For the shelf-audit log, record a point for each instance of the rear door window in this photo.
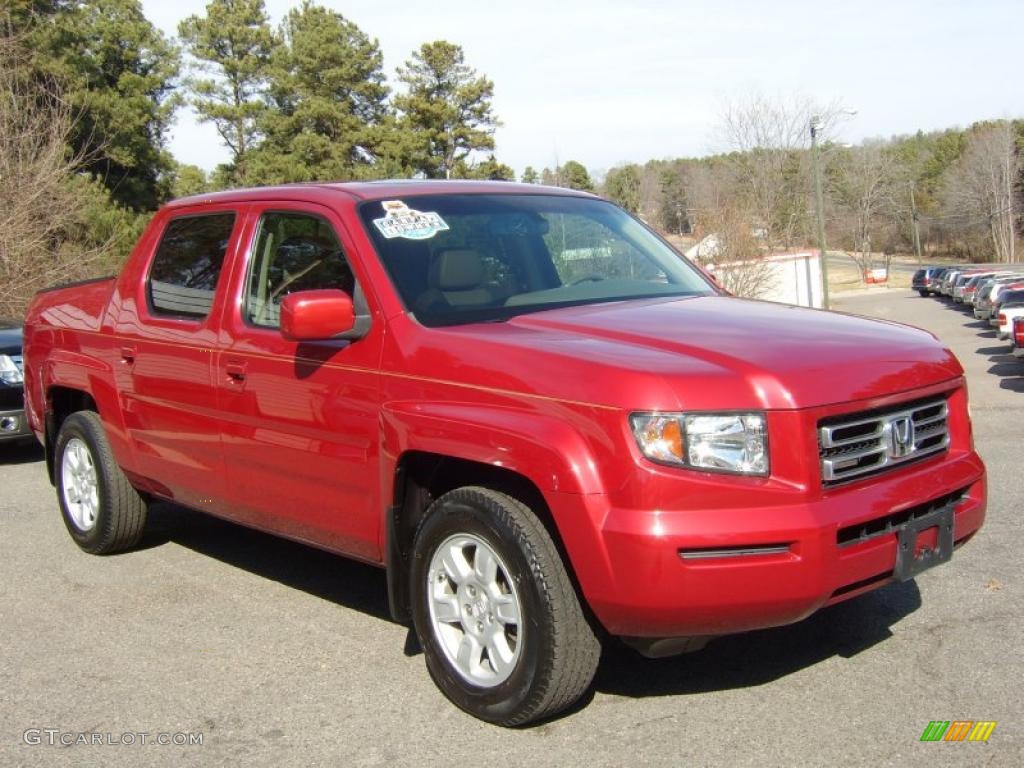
(187, 264)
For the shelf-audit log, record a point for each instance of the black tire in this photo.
(120, 515)
(559, 651)
(923, 292)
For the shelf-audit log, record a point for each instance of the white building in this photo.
(788, 278)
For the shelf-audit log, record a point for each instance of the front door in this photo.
(300, 420)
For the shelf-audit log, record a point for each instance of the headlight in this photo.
(10, 373)
(723, 442)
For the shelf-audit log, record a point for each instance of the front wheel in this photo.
(102, 511)
(502, 630)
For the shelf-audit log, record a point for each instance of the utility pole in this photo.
(1010, 174)
(815, 126)
(914, 220)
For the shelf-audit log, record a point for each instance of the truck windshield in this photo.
(474, 258)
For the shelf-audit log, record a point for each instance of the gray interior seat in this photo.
(456, 278)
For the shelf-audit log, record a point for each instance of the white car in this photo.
(1006, 317)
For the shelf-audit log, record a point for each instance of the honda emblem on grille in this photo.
(901, 437)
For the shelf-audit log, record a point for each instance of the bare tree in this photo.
(650, 192)
(768, 138)
(728, 247)
(865, 188)
(979, 189)
(733, 254)
(41, 210)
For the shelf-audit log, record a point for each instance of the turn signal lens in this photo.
(659, 436)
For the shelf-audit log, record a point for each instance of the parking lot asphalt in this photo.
(282, 655)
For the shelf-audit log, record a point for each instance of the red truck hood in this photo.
(700, 353)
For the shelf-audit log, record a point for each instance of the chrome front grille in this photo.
(862, 444)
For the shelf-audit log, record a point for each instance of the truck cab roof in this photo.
(373, 190)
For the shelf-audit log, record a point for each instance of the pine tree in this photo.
(622, 185)
(232, 44)
(328, 101)
(189, 180)
(116, 70)
(574, 175)
(490, 169)
(446, 108)
(529, 175)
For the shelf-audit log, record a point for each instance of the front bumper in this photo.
(692, 562)
(14, 425)
(660, 592)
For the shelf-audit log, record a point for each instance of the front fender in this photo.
(556, 453)
(553, 453)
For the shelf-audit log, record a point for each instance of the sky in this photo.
(607, 82)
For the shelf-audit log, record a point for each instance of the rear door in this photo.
(300, 420)
(164, 338)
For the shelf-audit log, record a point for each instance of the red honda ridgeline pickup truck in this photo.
(543, 422)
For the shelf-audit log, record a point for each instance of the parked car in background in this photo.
(976, 286)
(943, 281)
(1018, 336)
(924, 280)
(950, 283)
(1005, 318)
(967, 283)
(1007, 300)
(978, 299)
(12, 394)
(948, 280)
(987, 295)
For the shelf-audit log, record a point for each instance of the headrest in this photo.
(457, 270)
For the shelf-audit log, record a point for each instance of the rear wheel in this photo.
(502, 630)
(101, 510)
(922, 291)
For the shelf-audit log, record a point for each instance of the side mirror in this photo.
(714, 279)
(317, 315)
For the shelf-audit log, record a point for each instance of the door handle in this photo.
(235, 371)
(128, 355)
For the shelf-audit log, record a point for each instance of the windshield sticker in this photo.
(402, 221)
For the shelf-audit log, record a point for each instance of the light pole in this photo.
(819, 203)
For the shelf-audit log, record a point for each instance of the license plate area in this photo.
(923, 542)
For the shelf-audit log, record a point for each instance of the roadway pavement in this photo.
(280, 655)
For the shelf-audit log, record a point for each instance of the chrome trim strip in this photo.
(710, 554)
